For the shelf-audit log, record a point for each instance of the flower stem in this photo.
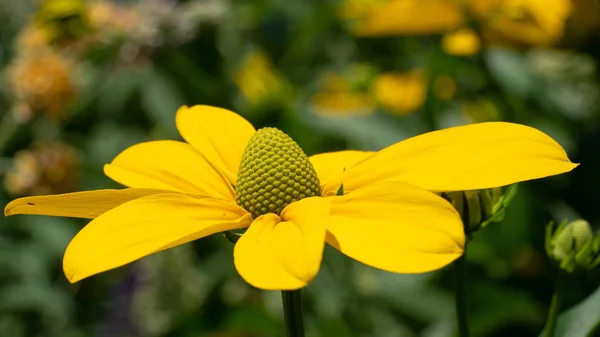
(460, 277)
(292, 312)
(557, 298)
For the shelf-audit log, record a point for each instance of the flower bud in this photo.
(479, 208)
(573, 246)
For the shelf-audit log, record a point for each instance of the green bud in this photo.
(573, 246)
(479, 208)
(274, 172)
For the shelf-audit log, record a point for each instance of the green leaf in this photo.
(511, 70)
(160, 100)
(493, 306)
(116, 89)
(40, 297)
(581, 320)
(51, 234)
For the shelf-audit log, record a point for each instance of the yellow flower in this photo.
(42, 80)
(402, 17)
(33, 37)
(178, 192)
(397, 93)
(63, 19)
(45, 168)
(529, 22)
(339, 98)
(400, 93)
(462, 42)
(257, 79)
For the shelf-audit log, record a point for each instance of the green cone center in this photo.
(274, 172)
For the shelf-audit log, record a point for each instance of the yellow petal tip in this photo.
(12, 207)
(181, 109)
(72, 276)
(8, 210)
(73, 280)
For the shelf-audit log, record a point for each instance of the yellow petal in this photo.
(88, 204)
(396, 227)
(402, 17)
(462, 42)
(331, 165)
(284, 255)
(145, 226)
(218, 134)
(475, 156)
(168, 165)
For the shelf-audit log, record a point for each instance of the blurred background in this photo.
(81, 81)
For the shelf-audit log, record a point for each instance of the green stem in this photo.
(460, 277)
(557, 297)
(292, 312)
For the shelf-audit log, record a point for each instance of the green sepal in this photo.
(232, 237)
(474, 209)
(340, 190)
(486, 198)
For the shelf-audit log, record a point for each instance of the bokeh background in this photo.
(81, 81)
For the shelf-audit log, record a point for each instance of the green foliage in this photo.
(582, 320)
(296, 66)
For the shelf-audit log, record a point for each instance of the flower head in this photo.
(343, 94)
(43, 169)
(42, 80)
(402, 17)
(362, 90)
(462, 42)
(525, 22)
(258, 80)
(274, 173)
(400, 93)
(229, 176)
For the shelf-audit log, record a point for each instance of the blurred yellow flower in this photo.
(528, 22)
(258, 80)
(106, 17)
(359, 94)
(51, 10)
(400, 93)
(342, 103)
(375, 207)
(44, 169)
(339, 98)
(462, 42)
(63, 19)
(41, 80)
(401, 17)
(33, 37)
